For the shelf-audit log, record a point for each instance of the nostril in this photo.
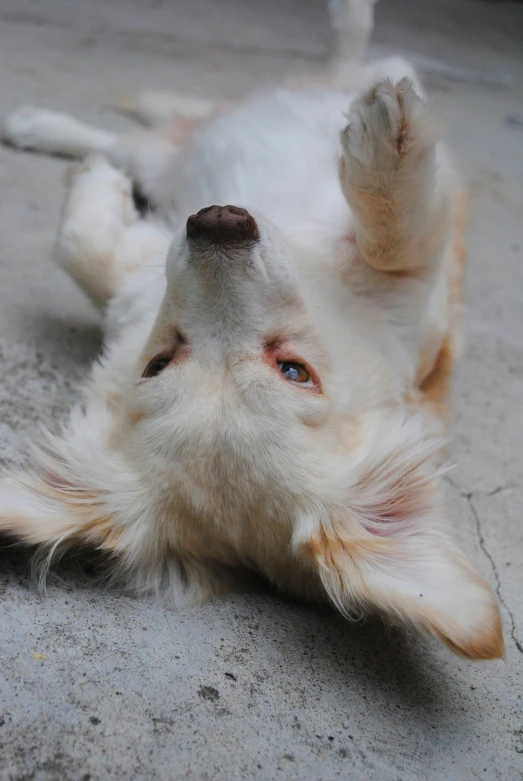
(206, 210)
(236, 211)
(223, 225)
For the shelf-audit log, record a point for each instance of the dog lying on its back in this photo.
(276, 401)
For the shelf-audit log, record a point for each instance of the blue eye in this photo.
(294, 372)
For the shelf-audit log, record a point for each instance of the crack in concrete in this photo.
(483, 545)
(499, 490)
(469, 496)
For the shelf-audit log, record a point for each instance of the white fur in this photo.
(53, 133)
(218, 462)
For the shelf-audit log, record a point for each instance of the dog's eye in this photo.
(156, 366)
(175, 351)
(294, 372)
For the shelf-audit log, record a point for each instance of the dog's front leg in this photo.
(396, 179)
(102, 240)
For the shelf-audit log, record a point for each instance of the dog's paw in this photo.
(96, 165)
(20, 128)
(95, 178)
(386, 124)
(96, 170)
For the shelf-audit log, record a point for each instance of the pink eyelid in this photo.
(277, 351)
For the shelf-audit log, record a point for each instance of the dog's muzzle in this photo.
(223, 225)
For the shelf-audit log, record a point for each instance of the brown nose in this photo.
(223, 225)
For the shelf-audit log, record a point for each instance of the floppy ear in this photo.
(81, 492)
(70, 495)
(385, 547)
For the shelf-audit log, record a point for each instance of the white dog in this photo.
(274, 401)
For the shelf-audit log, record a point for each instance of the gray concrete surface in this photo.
(97, 685)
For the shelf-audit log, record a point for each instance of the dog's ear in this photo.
(384, 546)
(80, 491)
(72, 493)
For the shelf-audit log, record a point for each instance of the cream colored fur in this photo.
(219, 463)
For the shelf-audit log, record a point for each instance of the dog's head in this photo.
(239, 439)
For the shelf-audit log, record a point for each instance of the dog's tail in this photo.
(352, 22)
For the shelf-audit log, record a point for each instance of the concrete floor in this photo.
(96, 685)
